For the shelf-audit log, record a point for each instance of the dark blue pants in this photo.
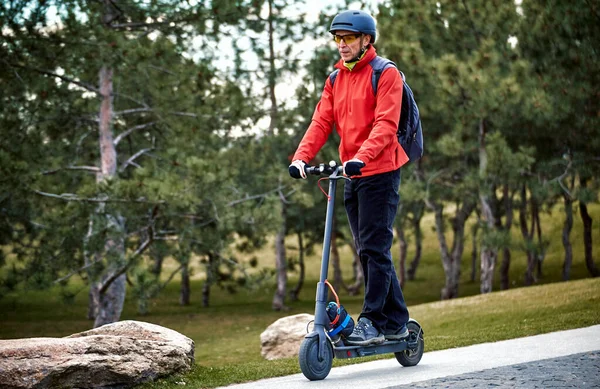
(371, 204)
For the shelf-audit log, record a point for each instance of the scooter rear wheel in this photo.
(311, 367)
(412, 356)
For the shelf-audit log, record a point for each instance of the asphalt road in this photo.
(555, 360)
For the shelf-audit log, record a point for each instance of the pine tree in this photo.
(99, 201)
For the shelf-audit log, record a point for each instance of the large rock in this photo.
(117, 355)
(282, 339)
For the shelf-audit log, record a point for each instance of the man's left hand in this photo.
(353, 166)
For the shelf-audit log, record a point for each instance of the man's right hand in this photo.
(296, 169)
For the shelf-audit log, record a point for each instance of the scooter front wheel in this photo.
(416, 344)
(313, 368)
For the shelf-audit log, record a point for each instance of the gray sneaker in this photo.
(365, 334)
(399, 334)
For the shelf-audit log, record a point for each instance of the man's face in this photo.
(350, 45)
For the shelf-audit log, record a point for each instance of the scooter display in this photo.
(332, 323)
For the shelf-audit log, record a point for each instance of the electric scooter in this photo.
(324, 343)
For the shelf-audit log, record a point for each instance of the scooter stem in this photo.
(322, 290)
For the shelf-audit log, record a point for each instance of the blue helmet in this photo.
(354, 20)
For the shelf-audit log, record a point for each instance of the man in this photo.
(372, 156)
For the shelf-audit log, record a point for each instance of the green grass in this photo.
(447, 324)
(227, 333)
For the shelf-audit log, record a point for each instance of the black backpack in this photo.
(410, 133)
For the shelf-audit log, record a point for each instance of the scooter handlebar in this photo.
(324, 169)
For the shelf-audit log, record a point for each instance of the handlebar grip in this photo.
(316, 170)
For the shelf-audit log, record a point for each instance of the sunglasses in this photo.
(349, 39)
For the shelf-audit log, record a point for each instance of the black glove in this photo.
(296, 169)
(352, 168)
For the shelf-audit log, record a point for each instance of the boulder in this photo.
(117, 355)
(282, 339)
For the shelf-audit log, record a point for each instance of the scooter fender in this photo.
(417, 323)
(323, 341)
(415, 344)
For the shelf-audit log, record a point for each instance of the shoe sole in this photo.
(368, 342)
(397, 337)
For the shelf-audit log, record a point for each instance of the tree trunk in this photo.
(458, 246)
(294, 293)
(451, 259)
(108, 152)
(488, 253)
(505, 265)
(111, 290)
(447, 291)
(210, 277)
(474, 253)
(567, 227)
(527, 235)
(444, 252)
(184, 289)
(93, 300)
(280, 261)
(338, 280)
(272, 72)
(92, 256)
(157, 255)
(354, 289)
(416, 224)
(111, 302)
(403, 249)
(587, 235)
(504, 268)
(540, 252)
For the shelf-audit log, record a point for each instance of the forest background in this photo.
(135, 156)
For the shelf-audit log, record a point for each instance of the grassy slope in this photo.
(447, 324)
(227, 333)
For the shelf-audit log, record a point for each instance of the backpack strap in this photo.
(333, 76)
(379, 64)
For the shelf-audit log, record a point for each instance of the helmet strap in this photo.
(361, 51)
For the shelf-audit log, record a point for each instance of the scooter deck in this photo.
(387, 347)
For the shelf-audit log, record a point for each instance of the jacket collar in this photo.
(364, 61)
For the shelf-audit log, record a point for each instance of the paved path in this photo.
(515, 363)
(580, 371)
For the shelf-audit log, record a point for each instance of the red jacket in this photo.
(366, 124)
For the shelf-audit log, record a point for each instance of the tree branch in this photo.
(254, 197)
(560, 178)
(133, 158)
(188, 114)
(61, 279)
(593, 9)
(140, 250)
(282, 197)
(133, 110)
(126, 97)
(430, 204)
(138, 24)
(127, 132)
(73, 197)
(84, 85)
(93, 169)
(16, 73)
(477, 33)
(161, 69)
(170, 277)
